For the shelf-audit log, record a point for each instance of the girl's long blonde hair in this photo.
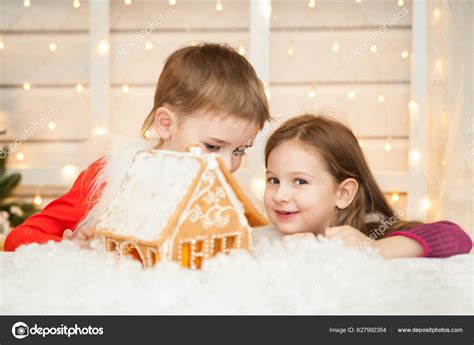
(344, 159)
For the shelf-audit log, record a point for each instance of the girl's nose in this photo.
(281, 195)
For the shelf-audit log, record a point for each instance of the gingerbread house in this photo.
(183, 206)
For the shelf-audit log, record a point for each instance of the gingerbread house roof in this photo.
(156, 188)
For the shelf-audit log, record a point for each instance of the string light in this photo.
(351, 94)
(258, 187)
(53, 46)
(415, 156)
(291, 49)
(335, 47)
(76, 4)
(395, 197)
(99, 131)
(311, 3)
(426, 203)
(172, 2)
(38, 200)
(69, 171)
(388, 147)
(52, 125)
(312, 93)
(437, 13)
(443, 163)
(219, 7)
(381, 98)
(79, 88)
(128, 2)
(359, 1)
(104, 47)
(20, 156)
(242, 50)
(26, 86)
(373, 48)
(2, 45)
(267, 92)
(405, 54)
(125, 88)
(361, 143)
(401, 3)
(412, 105)
(439, 65)
(148, 45)
(26, 3)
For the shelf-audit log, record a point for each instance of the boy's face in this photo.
(225, 135)
(300, 195)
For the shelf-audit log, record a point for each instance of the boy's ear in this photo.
(346, 192)
(164, 122)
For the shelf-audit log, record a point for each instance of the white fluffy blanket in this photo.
(300, 275)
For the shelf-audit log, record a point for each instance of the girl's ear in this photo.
(164, 122)
(346, 192)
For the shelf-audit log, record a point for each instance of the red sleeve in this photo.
(439, 239)
(59, 215)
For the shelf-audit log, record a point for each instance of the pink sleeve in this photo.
(440, 239)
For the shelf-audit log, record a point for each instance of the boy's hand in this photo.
(81, 237)
(390, 247)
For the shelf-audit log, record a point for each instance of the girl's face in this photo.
(300, 194)
(225, 135)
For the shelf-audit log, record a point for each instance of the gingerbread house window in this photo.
(224, 243)
(192, 253)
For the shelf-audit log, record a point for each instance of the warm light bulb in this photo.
(439, 65)
(2, 45)
(172, 2)
(405, 54)
(69, 171)
(148, 45)
(38, 200)
(103, 47)
(127, 2)
(395, 197)
(242, 50)
(373, 48)
(52, 125)
(437, 13)
(426, 203)
(381, 98)
(258, 187)
(415, 156)
(291, 50)
(359, 1)
(125, 88)
(412, 105)
(20, 156)
(79, 87)
(26, 3)
(26, 86)
(76, 4)
(312, 93)
(99, 131)
(351, 94)
(52, 46)
(400, 3)
(311, 3)
(335, 47)
(388, 147)
(219, 6)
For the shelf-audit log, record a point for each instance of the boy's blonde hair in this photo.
(210, 78)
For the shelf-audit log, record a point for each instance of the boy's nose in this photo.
(229, 162)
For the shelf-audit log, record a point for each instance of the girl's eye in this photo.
(272, 180)
(238, 152)
(300, 181)
(211, 147)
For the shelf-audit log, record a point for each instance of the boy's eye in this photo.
(300, 181)
(238, 152)
(272, 180)
(211, 147)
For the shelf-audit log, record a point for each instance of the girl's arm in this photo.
(59, 215)
(437, 240)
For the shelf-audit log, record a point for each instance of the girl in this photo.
(207, 94)
(318, 181)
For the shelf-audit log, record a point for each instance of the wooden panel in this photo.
(365, 114)
(68, 109)
(314, 60)
(139, 65)
(186, 14)
(340, 13)
(44, 15)
(28, 58)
